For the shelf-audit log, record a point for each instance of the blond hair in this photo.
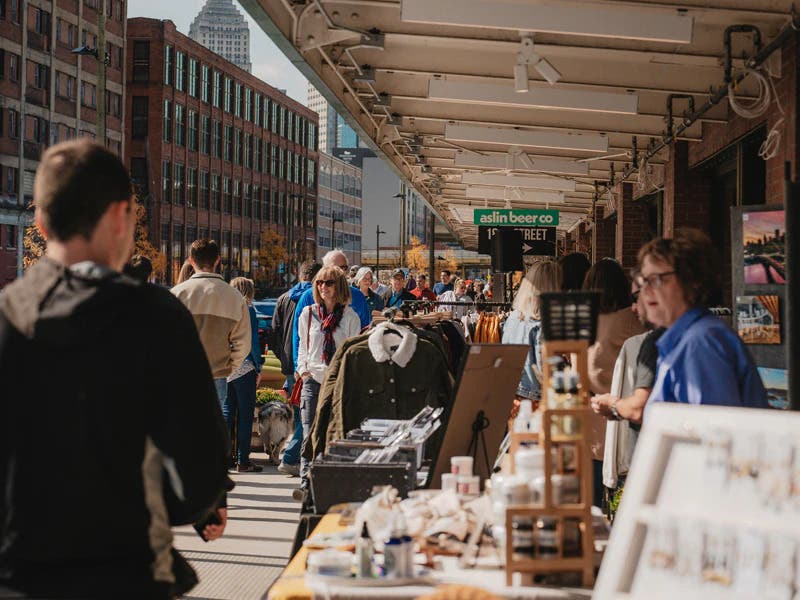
(245, 286)
(187, 270)
(341, 287)
(543, 276)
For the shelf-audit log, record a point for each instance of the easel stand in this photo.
(563, 455)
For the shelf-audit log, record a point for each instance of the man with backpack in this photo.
(282, 324)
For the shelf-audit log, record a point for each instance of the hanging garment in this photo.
(620, 436)
(385, 376)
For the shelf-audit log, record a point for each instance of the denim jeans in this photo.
(221, 384)
(291, 455)
(308, 410)
(242, 397)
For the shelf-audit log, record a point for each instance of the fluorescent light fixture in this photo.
(523, 181)
(470, 92)
(562, 17)
(521, 77)
(518, 163)
(547, 70)
(527, 55)
(526, 137)
(495, 193)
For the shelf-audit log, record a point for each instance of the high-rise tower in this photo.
(221, 28)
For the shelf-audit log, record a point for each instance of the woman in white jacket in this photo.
(323, 326)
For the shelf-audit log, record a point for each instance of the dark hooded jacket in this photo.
(110, 432)
(282, 321)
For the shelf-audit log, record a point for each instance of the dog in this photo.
(275, 425)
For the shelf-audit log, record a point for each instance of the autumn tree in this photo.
(417, 256)
(450, 260)
(34, 244)
(271, 254)
(143, 245)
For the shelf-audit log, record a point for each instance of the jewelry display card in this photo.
(710, 509)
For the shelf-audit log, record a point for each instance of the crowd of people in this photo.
(160, 376)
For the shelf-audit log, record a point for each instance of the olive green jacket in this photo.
(358, 386)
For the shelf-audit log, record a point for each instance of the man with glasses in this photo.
(334, 258)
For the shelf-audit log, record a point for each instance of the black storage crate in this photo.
(338, 482)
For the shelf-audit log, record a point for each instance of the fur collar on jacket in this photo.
(380, 345)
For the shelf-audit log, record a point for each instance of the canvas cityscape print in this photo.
(764, 235)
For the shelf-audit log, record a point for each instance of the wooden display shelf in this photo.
(581, 467)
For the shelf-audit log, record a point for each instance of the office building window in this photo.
(237, 100)
(216, 139)
(216, 94)
(215, 195)
(141, 61)
(167, 121)
(257, 110)
(180, 125)
(228, 94)
(228, 143)
(179, 190)
(193, 78)
(193, 117)
(205, 84)
(168, 65)
(191, 187)
(237, 197)
(248, 104)
(257, 154)
(139, 108)
(204, 197)
(180, 71)
(166, 182)
(226, 195)
(205, 134)
(237, 147)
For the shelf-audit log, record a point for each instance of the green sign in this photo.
(509, 217)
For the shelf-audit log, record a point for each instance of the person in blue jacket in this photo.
(700, 359)
(338, 259)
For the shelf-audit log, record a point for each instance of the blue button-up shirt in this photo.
(702, 361)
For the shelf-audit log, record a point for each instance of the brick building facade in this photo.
(50, 94)
(215, 152)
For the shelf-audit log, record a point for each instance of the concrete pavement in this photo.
(262, 518)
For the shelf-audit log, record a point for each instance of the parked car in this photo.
(265, 308)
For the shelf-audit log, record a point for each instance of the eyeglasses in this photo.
(654, 281)
(343, 268)
(326, 282)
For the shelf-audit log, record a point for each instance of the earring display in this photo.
(713, 501)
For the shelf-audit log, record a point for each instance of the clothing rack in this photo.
(416, 305)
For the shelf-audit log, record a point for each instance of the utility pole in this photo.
(102, 63)
(402, 196)
(378, 233)
(431, 250)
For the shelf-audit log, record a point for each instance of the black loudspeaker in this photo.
(507, 250)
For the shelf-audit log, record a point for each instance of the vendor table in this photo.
(291, 585)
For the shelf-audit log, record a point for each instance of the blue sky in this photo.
(269, 63)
